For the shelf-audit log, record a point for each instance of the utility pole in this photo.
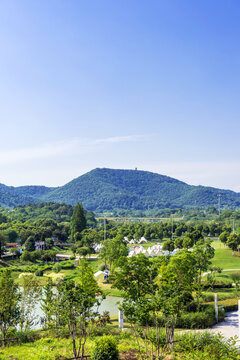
(233, 224)
(104, 227)
(172, 227)
(219, 204)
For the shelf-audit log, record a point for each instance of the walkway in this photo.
(209, 272)
(229, 327)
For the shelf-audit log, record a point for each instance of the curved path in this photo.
(209, 272)
(229, 327)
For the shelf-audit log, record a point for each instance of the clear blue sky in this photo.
(121, 84)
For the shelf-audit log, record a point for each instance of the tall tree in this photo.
(9, 303)
(233, 241)
(31, 293)
(78, 221)
(50, 305)
(175, 283)
(140, 302)
(2, 242)
(112, 250)
(30, 244)
(77, 306)
(203, 253)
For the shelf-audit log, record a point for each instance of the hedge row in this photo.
(68, 264)
(203, 319)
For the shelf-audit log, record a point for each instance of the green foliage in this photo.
(39, 273)
(195, 345)
(57, 268)
(109, 189)
(78, 221)
(76, 301)
(112, 250)
(233, 241)
(168, 245)
(223, 237)
(49, 243)
(12, 235)
(3, 239)
(105, 348)
(199, 320)
(83, 251)
(9, 303)
(31, 292)
(30, 244)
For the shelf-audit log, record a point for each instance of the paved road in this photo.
(229, 327)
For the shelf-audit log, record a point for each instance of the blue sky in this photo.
(120, 84)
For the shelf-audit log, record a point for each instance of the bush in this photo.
(105, 348)
(218, 285)
(39, 272)
(215, 346)
(72, 258)
(27, 336)
(229, 304)
(102, 267)
(199, 320)
(67, 264)
(57, 268)
(26, 256)
(105, 330)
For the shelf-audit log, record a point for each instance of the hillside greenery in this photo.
(116, 190)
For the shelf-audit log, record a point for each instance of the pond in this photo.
(111, 304)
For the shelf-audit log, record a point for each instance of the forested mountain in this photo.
(109, 189)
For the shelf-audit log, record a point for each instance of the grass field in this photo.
(224, 257)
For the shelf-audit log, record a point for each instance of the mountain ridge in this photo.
(110, 189)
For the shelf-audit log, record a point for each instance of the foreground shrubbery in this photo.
(189, 346)
(199, 320)
(199, 346)
(105, 348)
(203, 319)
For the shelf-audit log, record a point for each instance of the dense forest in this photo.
(116, 190)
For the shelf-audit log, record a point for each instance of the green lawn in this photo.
(224, 257)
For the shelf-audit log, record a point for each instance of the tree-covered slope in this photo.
(14, 196)
(109, 189)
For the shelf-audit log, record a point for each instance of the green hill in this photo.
(109, 189)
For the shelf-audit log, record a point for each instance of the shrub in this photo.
(67, 264)
(105, 330)
(102, 267)
(72, 258)
(26, 256)
(229, 304)
(199, 320)
(219, 285)
(214, 345)
(39, 272)
(103, 319)
(27, 336)
(105, 348)
(57, 268)
(83, 251)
